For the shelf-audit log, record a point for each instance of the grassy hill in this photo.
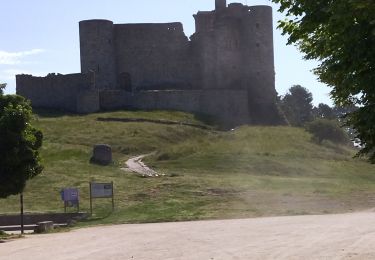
(246, 172)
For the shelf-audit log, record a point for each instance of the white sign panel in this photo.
(101, 190)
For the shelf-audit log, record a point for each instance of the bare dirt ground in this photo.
(136, 165)
(342, 236)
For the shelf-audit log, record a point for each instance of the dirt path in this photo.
(345, 236)
(136, 165)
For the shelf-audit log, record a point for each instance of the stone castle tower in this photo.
(225, 69)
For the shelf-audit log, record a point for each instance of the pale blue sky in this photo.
(41, 36)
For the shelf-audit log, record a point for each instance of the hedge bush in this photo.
(324, 129)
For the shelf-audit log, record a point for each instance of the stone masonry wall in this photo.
(54, 91)
(97, 50)
(225, 70)
(157, 56)
(229, 107)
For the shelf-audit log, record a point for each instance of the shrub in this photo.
(323, 129)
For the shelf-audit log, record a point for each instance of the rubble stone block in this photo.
(102, 154)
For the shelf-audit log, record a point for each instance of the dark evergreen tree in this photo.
(297, 105)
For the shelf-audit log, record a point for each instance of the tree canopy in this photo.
(19, 144)
(341, 36)
(297, 105)
(324, 111)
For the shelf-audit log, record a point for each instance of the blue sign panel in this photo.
(70, 195)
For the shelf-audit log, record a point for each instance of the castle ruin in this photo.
(225, 69)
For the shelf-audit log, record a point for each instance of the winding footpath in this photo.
(136, 165)
(341, 236)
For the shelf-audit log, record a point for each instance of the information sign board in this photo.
(101, 190)
(70, 194)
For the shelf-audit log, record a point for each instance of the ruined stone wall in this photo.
(155, 55)
(56, 91)
(258, 64)
(226, 70)
(188, 101)
(229, 52)
(115, 99)
(229, 107)
(204, 21)
(220, 47)
(97, 48)
(220, 4)
(235, 50)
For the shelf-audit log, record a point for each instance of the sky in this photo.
(41, 36)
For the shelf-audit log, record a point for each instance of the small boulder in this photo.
(102, 154)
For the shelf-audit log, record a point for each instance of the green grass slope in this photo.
(247, 172)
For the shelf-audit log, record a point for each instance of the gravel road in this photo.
(343, 236)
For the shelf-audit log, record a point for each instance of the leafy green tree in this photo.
(19, 144)
(341, 36)
(297, 105)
